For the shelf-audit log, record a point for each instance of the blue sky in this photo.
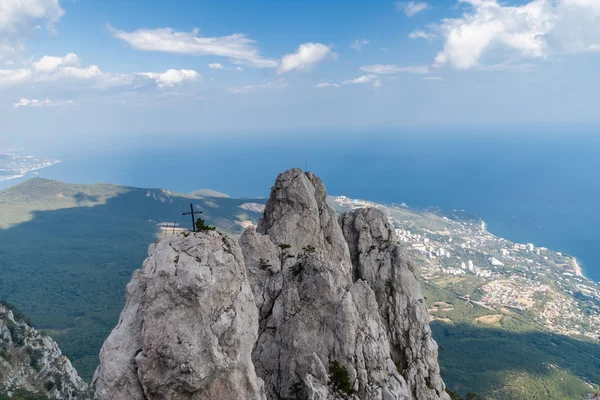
(99, 69)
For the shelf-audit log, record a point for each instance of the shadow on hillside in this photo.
(474, 358)
(67, 269)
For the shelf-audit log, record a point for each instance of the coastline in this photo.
(26, 171)
(577, 268)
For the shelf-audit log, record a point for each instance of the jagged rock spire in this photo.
(308, 308)
(188, 326)
(317, 306)
(297, 214)
(378, 259)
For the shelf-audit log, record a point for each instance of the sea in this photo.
(529, 185)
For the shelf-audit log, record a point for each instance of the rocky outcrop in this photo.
(305, 307)
(322, 312)
(379, 260)
(31, 363)
(188, 326)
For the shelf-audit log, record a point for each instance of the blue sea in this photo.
(541, 187)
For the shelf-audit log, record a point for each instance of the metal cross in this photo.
(192, 212)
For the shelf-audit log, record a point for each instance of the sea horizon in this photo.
(534, 189)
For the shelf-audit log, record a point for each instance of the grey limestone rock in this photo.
(188, 326)
(305, 307)
(32, 362)
(316, 309)
(378, 259)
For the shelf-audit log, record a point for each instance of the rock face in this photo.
(32, 363)
(379, 260)
(188, 326)
(306, 307)
(330, 298)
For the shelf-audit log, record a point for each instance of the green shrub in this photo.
(339, 379)
(23, 395)
(264, 264)
(35, 356)
(49, 385)
(17, 314)
(5, 354)
(202, 227)
(309, 249)
(16, 333)
(297, 269)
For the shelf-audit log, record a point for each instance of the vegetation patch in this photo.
(201, 226)
(339, 379)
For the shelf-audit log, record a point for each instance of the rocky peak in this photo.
(379, 260)
(323, 289)
(297, 214)
(188, 326)
(305, 307)
(32, 364)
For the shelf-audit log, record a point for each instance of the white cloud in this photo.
(171, 77)
(395, 69)
(279, 84)
(327, 84)
(360, 80)
(19, 19)
(419, 34)
(537, 29)
(12, 77)
(237, 47)
(35, 103)
(307, 55)
(222, 67)
(412, 8)
(359, 43)
(49, 63)
(67, 69)
(433, 78)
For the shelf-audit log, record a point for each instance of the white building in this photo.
(530, 246)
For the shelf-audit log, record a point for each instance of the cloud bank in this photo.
(538, 29)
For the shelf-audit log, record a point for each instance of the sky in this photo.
(103, 69)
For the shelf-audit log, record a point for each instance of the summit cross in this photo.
(192, 212)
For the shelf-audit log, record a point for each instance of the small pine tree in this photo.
(202, 227)
(339, 379)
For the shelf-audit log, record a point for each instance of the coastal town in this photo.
(455, 251)
(14, 166)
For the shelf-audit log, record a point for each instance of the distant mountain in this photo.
(207, 193)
